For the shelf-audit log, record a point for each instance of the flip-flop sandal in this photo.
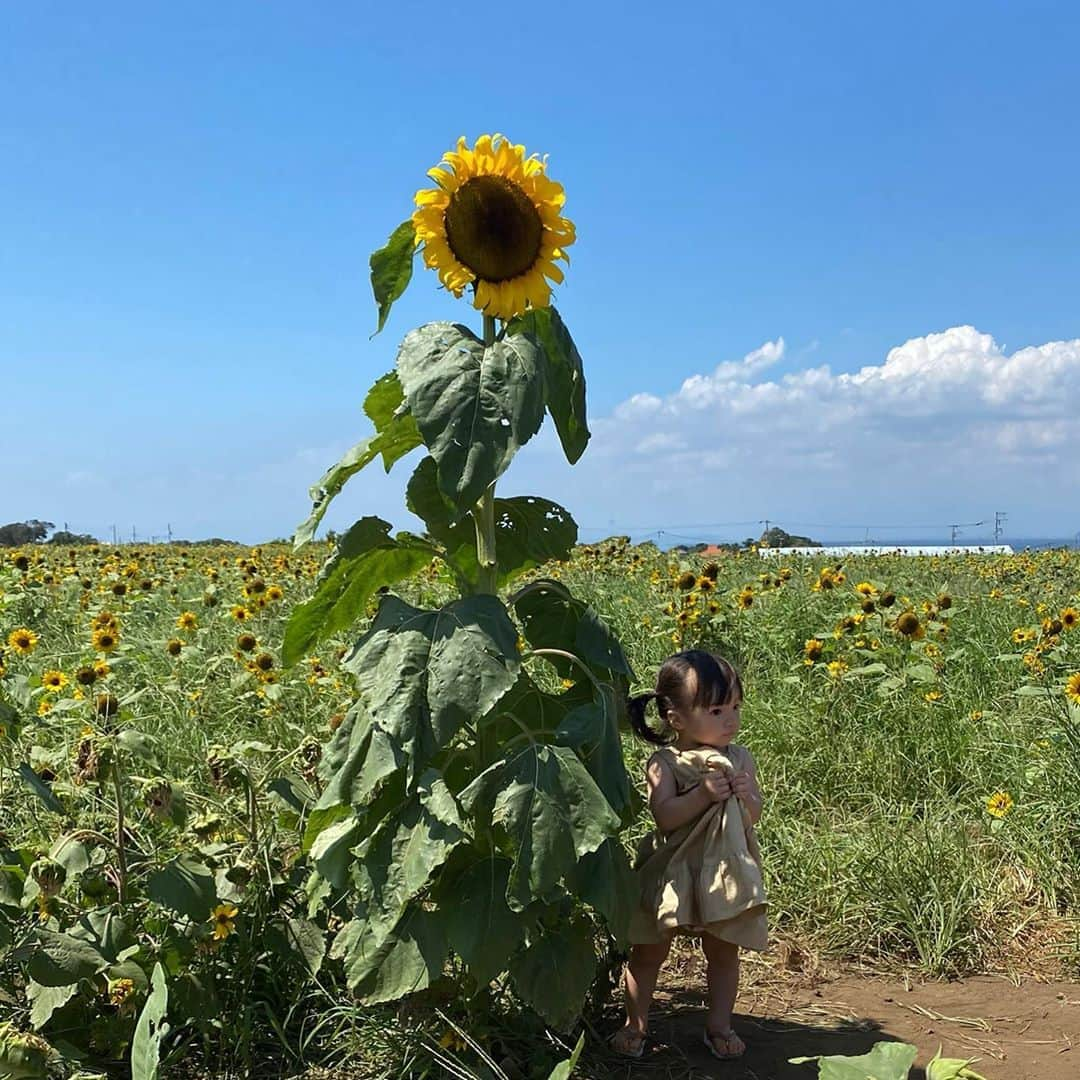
(637, 1037)
(727, 1036)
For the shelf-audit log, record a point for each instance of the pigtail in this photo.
(635, 711)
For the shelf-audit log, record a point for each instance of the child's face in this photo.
(710, 725)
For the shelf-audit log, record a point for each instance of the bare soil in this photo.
(1017, 1028)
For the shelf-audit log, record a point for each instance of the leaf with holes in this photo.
(475, 406)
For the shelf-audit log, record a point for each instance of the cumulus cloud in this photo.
(948, 425)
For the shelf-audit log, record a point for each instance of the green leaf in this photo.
(604, 880)
(474, 406)
(359, 760)
(592, 728)
(40, 788)
(480, 926)
(554, 619)
(184, 886)
(61, 960)
(308, 943)
(422, 674)
(395, 435)
(564, 376)
(45, 1000)
(529, 531)
(564, 1069)
(386, 966)
(555, 972)
(150, 1029)
(396, 862)
(550, 810)
(391, 268)
(940, 1068)
(366, 559)
(887, 1061)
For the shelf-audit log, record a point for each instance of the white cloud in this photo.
(948, 426)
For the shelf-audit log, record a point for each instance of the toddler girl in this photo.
(700, 869)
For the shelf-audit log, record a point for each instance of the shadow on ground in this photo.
(676, 1051)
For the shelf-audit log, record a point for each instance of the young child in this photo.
(700, 869)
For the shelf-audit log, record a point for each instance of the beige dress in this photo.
(704, 877)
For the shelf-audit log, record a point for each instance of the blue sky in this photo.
(189, 195)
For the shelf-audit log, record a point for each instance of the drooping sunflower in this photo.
(494, 222)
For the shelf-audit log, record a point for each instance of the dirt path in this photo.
(1018, 1032)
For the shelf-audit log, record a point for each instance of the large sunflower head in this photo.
(494, 222)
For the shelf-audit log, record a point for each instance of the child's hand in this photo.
(742, 786)
(717, 785)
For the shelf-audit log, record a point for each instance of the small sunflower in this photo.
(836, 668)
(239, 613)
(246, 642)
(224, 919)
(187, 621)
(685, 581)
(908, 624)
(54, 680)
(494, 222)
(1072, 688)
(999, 804)
(745, 598)
(23, 641)
(105, 640)
(1069, 617)
(864, 588)
(174, 646)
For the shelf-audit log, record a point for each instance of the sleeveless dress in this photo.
(705, 876)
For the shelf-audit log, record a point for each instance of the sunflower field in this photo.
(916, 723)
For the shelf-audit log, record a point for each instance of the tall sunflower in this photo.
(494, 222)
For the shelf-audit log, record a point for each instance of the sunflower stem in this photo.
(484, 511)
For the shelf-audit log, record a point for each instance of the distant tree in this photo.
(18, 533)
(65, 537)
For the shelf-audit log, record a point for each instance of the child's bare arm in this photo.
(672, 810)
(745, 786)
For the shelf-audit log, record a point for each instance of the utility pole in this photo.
(1000, 517)
(169, 528)
(114, 540)
(963, 525)
(133, 534)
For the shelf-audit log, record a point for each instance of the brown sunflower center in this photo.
(493, 228)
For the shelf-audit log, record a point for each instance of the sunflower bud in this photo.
(49, 876)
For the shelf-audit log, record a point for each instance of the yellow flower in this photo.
(54, 680)
(105, 640)
(44, 706)
(932, 695)
(999, 804)
(187, 621)
(101, 669)
(864, 588)
(813, 649)
(836, 668)
(746, 598)
(275, 592)
(239, 612)
(224, 919)
(1069, 617)
(23, 641)
(494, 222)
(1072, 688)
(976, 715)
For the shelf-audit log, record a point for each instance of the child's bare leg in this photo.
(722, 959)
(640, 979)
